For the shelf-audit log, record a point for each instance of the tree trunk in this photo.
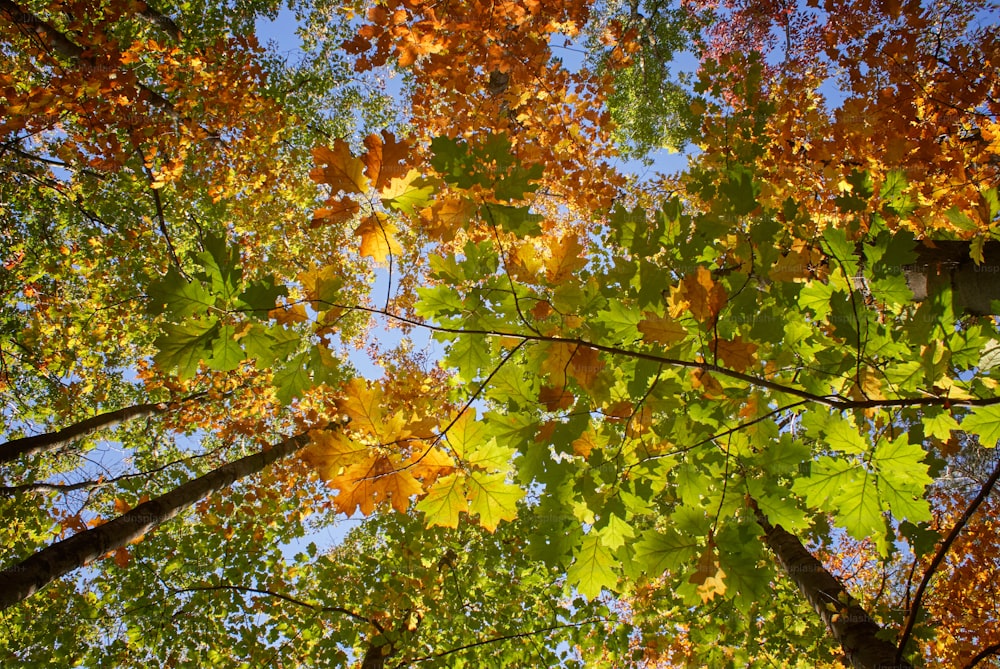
(848, 623)
(948, 264)
(34, 573)
(16, 448)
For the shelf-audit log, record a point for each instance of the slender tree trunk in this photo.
(31, 575)
(847, 621)
(16, 448)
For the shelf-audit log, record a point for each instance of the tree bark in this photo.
(948, 264)
(22, 580)
(16, 448)
(846, 620)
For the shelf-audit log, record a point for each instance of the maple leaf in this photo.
(338, 210)
(376, 480)
(699, 294)
(492, 498)
(445, 501)
(447, 216)
(737, 354)
(709, 576)
(338, 169)
(555, 398)
(660, 329)
(378, 239)
(586, 366)
(330, 451)
(586, 442)
(362, 405)
(567, 257)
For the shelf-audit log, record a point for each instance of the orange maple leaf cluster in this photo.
(486, 66)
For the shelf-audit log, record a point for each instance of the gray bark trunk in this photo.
(17, 448)
(848, 623)
(32, 574)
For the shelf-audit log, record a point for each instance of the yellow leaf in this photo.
(329, 452)
(378, 239)
(586, 442)
(566, 258)
(362, 406)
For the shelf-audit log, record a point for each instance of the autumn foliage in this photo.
(641, 406)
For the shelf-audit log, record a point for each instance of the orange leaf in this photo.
(375, 481)
(737, 355)
(586, 365)
(337, 211)
(295, 313)
(385, 158)
(122, 557)
(338, 169)
(555, 398)
(446, 217)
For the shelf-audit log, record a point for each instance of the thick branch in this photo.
(49, 441)
(848, 623)
(22, 580)
(162, 22)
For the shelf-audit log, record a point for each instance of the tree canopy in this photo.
(421, 280)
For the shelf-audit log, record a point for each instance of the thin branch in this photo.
(287, 598)
(911, 617)
(833, 401)
(163, 225)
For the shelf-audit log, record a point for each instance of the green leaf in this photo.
(445, 500)
(592, 569)
(615, 533)
(262, 296)
(939, 423)
(176, 296)
(291, 381)
(438, 302)
(226, 351)
(740, 190)
(984, 422)
(836, 431)
(222, 266)
(658, 552)
(517, 220)
(815, 297)
(183, 346)
(492, 498)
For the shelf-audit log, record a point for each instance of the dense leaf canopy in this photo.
(396, 352)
